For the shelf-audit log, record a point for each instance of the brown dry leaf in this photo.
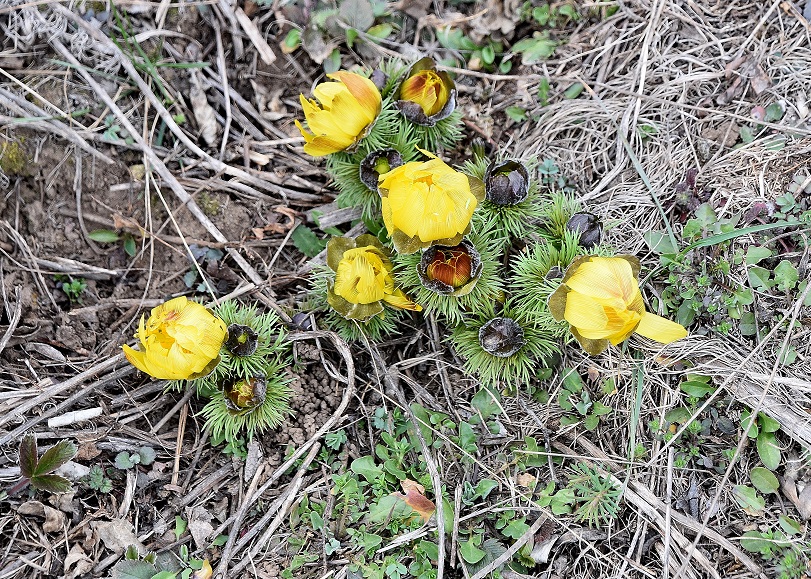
(200, 525)
(117, 535)
(269, 103)
(760, 81)
(748, 70)
(76, 556)
(497, 21)
(726, 133)
(54, 520)
(526, 480)
(543, 542)
(801, 500)
(414, 8)
(204, 113)
(415, 498)
(315, 44)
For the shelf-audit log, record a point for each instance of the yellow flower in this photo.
(346, 111)
(204, 572)
(600, 298)
(363, 279)
(426, 95)
(427, 203)
(180, 340)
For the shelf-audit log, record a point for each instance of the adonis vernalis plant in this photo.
(600, 298)
(180, 340)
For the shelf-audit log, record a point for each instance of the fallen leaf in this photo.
(269, 103)
(801, 500)
(415, 498)
(204, 113)
(496, 21)
(760, 80)
(54, 520)
(542, 543)
(76, 556)
(526, 480)
(414, 8)
(117, 535)
(412, 485)
(200, 525)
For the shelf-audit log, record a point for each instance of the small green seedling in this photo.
(73, 288)
(763, 431)
(38, 472)
(126, 460)
(97, 481)
(109, 236)
(574, 396)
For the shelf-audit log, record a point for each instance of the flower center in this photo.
(451, 267)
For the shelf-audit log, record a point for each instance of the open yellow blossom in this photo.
(180, 340)
(363, 280)
(346, 111)
(600, 298)
(427, 203)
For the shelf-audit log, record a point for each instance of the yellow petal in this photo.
(584, 312)
(361, 277)
(660, 329)
(347, 115)
(135, 357)
(606, 278)
(363, 89)
(399, 300)
(596, 321)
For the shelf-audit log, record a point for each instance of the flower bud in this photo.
(301, 321)
(450, 270)
(426, 96)
(242, 340)
(588, 226)
(501, 337)
(376, 164)
(506, 183)
(245, 394)
(554, 273)
(379, 78)
(341, 114)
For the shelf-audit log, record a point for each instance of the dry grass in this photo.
(661, 64)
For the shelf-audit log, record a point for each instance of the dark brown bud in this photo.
(301, 321)
(588, 226)
(379, 78)
(376, 163)
(243, 395)
(501, 337)
(554, 273)
(506, 183)
(242, 340)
